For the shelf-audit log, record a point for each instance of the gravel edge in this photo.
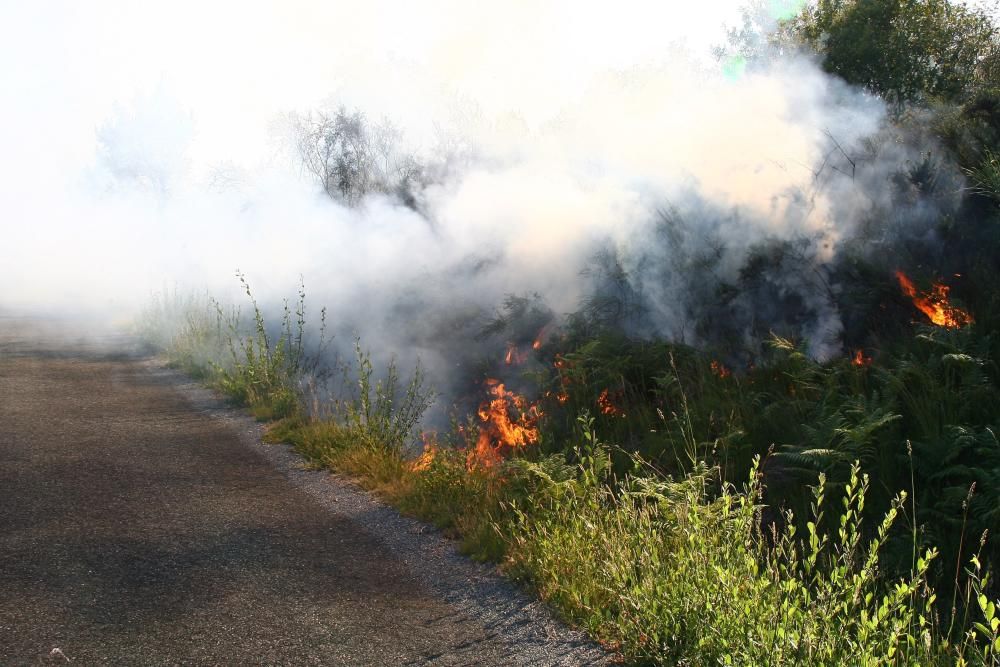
(527, 628)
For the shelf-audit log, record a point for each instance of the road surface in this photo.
(139, 526)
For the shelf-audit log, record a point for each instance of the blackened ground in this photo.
(142, 522)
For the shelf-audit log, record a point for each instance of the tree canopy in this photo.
(904, 50)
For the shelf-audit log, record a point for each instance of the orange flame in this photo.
(934, 304)
(543, 334)
(607, 405)
(561, 364)
(424, 461)
(719, 369)
(499, 433)
(561, 396)
(859, 359)
(514, 357)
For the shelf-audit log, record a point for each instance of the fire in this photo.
(514, 357)
(543, 334)
(859, 359)
(423, 461)
(607, 405)
(719, 369)
(561, 366)
(499, 433)
(561, 396)
(934, 304)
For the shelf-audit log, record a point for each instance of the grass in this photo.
(666, 560)
(684, 571)
(263, 369)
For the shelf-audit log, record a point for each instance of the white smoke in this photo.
(146, 149)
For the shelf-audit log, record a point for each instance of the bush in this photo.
(684, 572)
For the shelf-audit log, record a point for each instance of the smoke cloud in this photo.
(152, 147)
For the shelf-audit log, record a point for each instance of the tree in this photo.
(351, 159)
(904, 50)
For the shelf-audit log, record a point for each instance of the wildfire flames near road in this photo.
(618, 315)
(508, 423)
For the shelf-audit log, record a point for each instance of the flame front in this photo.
(509, 423)
(562, 366)
(543, 334)
(934, 304)
(423, 462)
(607, 405)
(514, 357)
(859, 359)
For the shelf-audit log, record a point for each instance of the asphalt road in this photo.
(137, 527)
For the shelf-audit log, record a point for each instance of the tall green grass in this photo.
(674, 559)
(261, 368)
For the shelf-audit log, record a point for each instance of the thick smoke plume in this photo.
(548, 149)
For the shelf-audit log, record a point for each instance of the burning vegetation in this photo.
(934, 304)
(514, 357)
(609, 405)
(507, 423)
(719, 370)
(429, 453)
